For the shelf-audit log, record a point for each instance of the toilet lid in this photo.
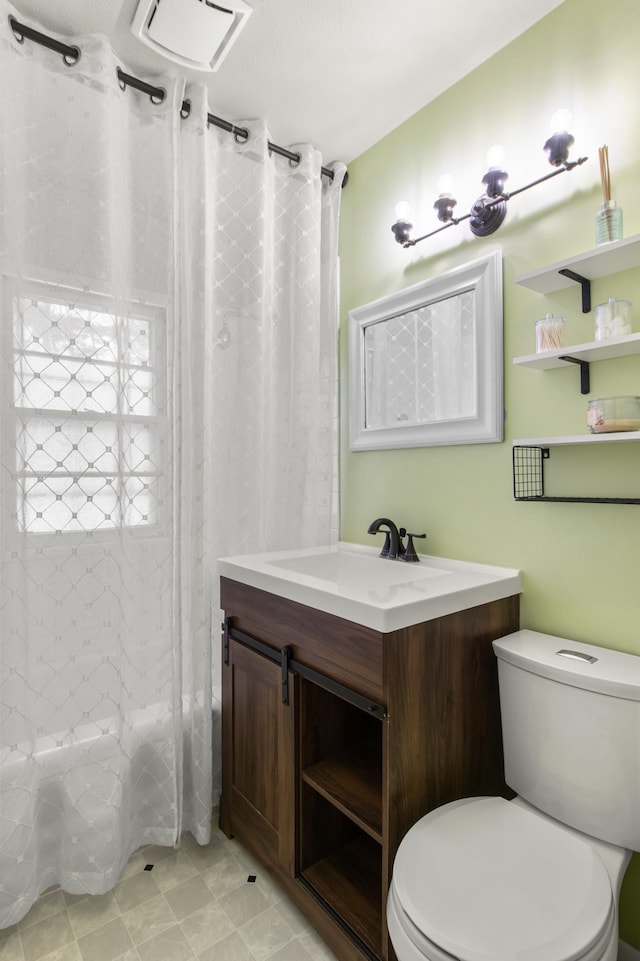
(488, 880)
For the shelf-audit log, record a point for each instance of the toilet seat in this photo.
(484, 879)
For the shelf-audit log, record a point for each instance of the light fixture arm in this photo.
(569, 165)
(487, 204)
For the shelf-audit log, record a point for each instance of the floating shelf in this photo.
(598, 350)
(614, 437)
(582, 354)
(599, 262)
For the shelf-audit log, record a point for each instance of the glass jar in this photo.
(613, 319)
(549, 333)
(608, 223)
(610, 414)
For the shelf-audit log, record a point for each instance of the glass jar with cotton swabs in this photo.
(549, 333)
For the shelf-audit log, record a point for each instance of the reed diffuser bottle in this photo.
(609, 217)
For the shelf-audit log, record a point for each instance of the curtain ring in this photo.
(72, 58)
(158, 96)
(15, 29)
(295, 161)
(240, 134)
(185, 109)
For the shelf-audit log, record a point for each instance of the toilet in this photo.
(536, 878)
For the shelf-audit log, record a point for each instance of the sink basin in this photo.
(353, 582)
(350, 571)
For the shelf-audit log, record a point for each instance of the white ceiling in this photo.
(336, 73)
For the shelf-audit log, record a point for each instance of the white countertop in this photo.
(351, 581)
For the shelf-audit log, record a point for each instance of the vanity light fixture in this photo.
(490, 209)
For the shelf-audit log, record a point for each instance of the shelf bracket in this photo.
(585, 382)
(584, 282)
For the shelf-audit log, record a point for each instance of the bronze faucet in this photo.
(393, 546)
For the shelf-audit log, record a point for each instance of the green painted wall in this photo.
(580, 563)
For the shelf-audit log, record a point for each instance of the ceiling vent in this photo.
(193, 33)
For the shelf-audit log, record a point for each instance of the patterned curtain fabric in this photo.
(168, 396)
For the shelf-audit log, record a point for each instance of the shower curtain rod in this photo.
(71, 54)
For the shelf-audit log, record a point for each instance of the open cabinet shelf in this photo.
(350, 881)
(353, 787)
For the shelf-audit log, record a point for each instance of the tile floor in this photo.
(196, 903)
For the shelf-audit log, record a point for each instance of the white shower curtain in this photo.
(168, 396)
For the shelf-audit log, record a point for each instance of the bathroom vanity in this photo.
(339, 732)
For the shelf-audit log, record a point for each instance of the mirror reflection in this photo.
(420, 366)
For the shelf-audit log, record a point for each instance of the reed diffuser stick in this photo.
(609, 217)
(605, 176)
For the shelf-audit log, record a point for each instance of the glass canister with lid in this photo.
(613, 319)
(607, 415)
(549, 333)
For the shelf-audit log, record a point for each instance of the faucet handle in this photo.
(409, 553)
(386, 549)
(401, 547)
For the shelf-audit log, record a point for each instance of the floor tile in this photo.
(135, 865)
(106, 943)
(153, 853)
(231, 948)
(269, 886)
(69, 952)
(293, 916)
(11, 944)
(90, 912)
(170, 945)
(46, 906)
(174, 870)
(315, 946)
(293, 951)
(244, 903)
(225, 875)
(246, 858)
(188, 897)
(265, 934)
(46, 936)
(207, 926)
(148, 919)
(203, 855)
(134, 890)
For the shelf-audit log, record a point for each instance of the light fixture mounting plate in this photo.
(486, 217)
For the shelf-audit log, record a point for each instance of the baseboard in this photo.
(627, 953)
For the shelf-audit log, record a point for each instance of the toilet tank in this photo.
(571, 732)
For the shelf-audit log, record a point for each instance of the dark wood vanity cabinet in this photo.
(377, 729)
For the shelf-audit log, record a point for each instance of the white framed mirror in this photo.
(426, 365)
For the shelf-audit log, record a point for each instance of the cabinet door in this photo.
(258, 731)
